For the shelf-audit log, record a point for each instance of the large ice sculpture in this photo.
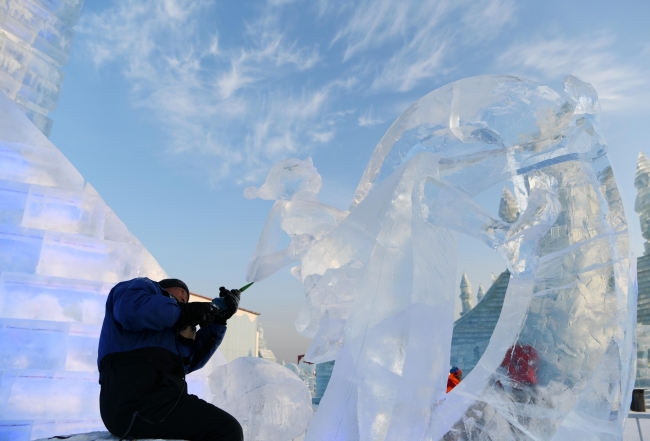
(269, 401)
(61, 250)
(642, 203)
(35, 39)
(380, 279)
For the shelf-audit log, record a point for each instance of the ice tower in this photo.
(465, 294)
(481, 292)
(35, 40)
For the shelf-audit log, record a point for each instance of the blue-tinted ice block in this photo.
(35, 297)
(15, 430)
(83, 341)
(20, 248)
(33, 344)
(13, 196)
(46, 428)
(78, 257)
(38, 165)
(53, 395)
(65, 211)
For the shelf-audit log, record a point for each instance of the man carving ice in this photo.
(147, 345)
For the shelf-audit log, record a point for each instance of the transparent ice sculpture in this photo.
(380, 278)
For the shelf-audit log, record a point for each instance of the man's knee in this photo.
(230, 428)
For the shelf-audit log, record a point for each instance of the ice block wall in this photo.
(35, 40)
(61, 250)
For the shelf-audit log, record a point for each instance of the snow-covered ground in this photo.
(631, 430)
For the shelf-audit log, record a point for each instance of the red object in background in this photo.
(454, 379)
(521, 362)
(300, 357)
(452, 382)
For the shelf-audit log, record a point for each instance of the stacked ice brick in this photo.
(61, 250)
(35, 39)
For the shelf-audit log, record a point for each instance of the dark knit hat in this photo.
(174, 283)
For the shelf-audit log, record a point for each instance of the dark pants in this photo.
(148, 383)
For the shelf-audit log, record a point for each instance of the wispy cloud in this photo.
(234, 104)
(592, 58)
(218, 103)
(368, 119)
(420, 34)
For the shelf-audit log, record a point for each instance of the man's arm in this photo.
(140, 307)
(206, 343)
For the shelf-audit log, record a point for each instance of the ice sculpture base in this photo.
(91, 436)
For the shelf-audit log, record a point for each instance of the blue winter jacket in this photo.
(140, 314)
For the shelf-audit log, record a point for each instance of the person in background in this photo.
(148, 343)
(455, 377)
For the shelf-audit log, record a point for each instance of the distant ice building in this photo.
(472, 331)
(35, 40)
(465, 294)
(323, 375)
(481, 292)
(263, 351)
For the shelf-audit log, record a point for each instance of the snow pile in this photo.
(269, 401)
(380, 278)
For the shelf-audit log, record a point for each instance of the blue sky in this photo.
(170, 108)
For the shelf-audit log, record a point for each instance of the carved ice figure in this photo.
(380, 281)
(294, 185)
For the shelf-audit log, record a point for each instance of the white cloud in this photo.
(420, 34)
(236, 103)
(218, 104)
(368, 119)
(591, 58)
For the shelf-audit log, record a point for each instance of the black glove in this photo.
(231, 300)
(195, 313)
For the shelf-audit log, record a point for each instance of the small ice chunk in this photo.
(269, 401)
